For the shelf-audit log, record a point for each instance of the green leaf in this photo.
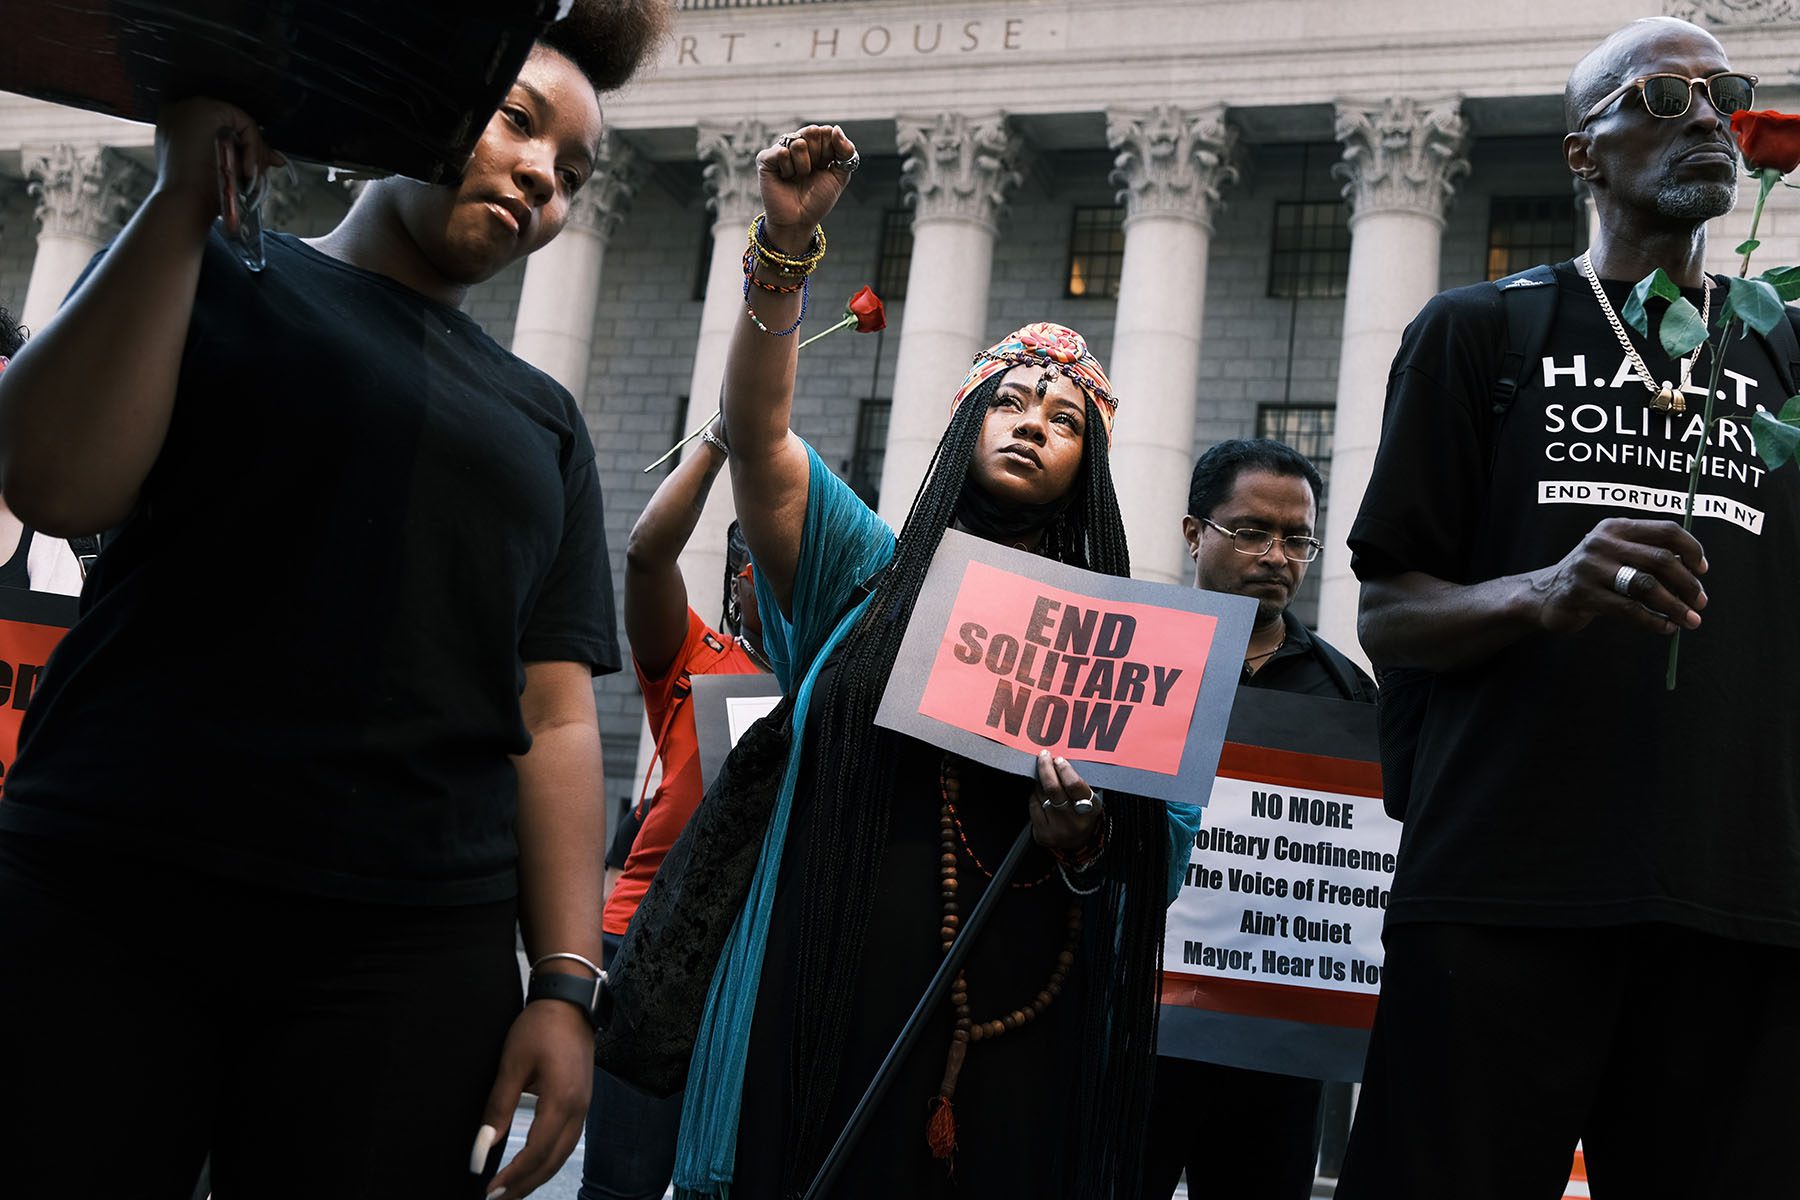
(1790, 412)
(1785, 281)
(1749, 247)
(1656, 283)
(1775, 440)
(1758, 303)
(1681, 329)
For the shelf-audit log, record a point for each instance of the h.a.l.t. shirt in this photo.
(1558, 782)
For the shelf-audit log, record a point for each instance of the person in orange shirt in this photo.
(630, 1136)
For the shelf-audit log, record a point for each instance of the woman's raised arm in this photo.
(802, 177)
(86, 405)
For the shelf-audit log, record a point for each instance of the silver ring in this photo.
(848, 164)
(785, 140)
(1047, 804)
(1086, 804)
(1625, 579)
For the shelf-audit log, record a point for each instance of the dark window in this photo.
(1096, 251)
(1526, 230)
(1305, 427)
(1311, 253)
(871, 449)
(894, 262)
(703, 268)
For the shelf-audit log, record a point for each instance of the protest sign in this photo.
(31, 623)
(1272, 957)
(1009, 653)
(724, 707)
(402, 86)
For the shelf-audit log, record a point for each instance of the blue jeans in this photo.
(630, 1136)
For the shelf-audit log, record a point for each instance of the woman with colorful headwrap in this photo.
(1033, 1079)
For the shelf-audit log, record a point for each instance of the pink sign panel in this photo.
(1037, 667)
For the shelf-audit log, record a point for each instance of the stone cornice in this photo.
(959, 167)
(729, 152)
(1171, 161)
(84, 191)
(1401, 154)
(1734, 12)
(606, 197)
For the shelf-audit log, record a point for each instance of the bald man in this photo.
(1595, 925)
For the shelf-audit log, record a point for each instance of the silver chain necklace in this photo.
(1668, 397)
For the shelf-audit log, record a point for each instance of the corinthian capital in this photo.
(606, 197)
(1401, 154)
(84, 191)
(959, 166)
(1171, 161)
(729, 151)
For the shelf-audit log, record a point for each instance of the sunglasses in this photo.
(1668, 95)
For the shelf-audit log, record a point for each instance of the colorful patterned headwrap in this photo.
(1055, 347)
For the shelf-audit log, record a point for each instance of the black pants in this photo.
(1241, 1135)
(1673, 1056)
(150, 1017)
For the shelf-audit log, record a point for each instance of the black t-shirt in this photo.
(1558, 783)
(300, 660)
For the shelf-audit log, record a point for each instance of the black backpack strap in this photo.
(1784, 350)
(1528, 302)
(87, 549)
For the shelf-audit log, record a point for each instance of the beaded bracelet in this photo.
(786, 264)
(1083, 860)
(755, 320)
(750, 274)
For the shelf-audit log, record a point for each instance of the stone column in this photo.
(1170, 166)
(554, 330)
(1401, 158)
(729, 152)
(956, 171)
(84, 195)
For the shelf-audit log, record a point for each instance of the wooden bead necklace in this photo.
(940, 1130)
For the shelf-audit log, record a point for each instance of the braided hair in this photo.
(737, 553)
(852, 789)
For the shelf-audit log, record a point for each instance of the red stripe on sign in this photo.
(1279, 1001)
(1259, 764)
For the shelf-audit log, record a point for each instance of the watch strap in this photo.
(589, 995)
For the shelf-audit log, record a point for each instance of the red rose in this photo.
(1768, 139)
(865, 306)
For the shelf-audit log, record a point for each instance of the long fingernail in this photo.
(484, 1142)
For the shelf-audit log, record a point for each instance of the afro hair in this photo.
(609, 39)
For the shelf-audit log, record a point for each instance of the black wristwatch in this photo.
(591, 996)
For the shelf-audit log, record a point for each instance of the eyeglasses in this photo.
(1258, 541)
(1668, 95)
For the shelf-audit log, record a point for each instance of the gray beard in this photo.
(1696, 201)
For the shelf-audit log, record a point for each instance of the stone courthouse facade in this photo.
(1240, 203)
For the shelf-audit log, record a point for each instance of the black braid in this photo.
(852, 785)
(737, 553)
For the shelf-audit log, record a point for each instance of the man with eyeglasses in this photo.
(1595, 925)
(1252, 508)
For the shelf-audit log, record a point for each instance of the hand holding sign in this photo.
(1065, 812)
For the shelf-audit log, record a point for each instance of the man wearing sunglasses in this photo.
(1595, 925)
(1253, 507)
